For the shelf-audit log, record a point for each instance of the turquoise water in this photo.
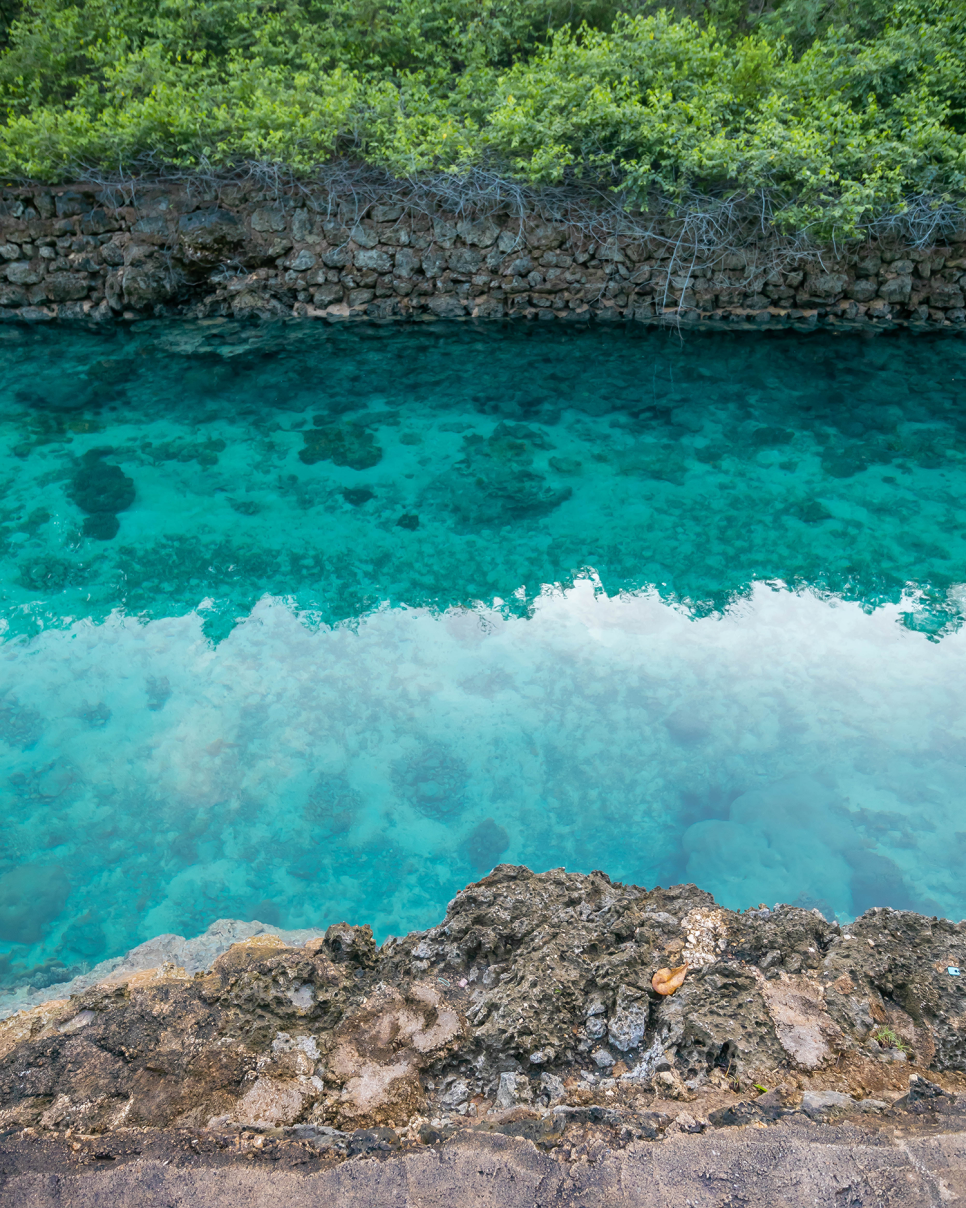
(303, 624)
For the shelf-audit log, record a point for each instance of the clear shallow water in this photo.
(319, 625)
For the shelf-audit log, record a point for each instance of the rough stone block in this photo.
(446, 306)
(67, 287)
(326, 294)
(823, 1103)
(268, 219)
(863, 289)
(68, 204)
(145, 286)
(464, 260)
(481, 232)
(406, 262)
(364, 236)
(154, 230)
(373, 259)
(302, 261)
(337, 257)
(941, 294)
(386, 213)
(896, 290)
(23, 272)
(209, 230)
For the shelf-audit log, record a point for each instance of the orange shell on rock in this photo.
(666, 981)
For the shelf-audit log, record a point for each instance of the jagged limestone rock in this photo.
(534, 990)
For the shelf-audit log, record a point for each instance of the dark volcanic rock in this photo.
(528, 1011)
(209, 230)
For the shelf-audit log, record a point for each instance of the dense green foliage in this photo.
(838, 110)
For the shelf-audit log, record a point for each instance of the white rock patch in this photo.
(706, 936)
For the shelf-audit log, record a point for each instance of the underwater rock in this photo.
(484, 845)
(101, 526)
(778, 828)
(245, 507)
(687, 728)
(95, 715)
(342, 444)
(876, 881)
(433, 783)
(99, 487)
(84, 936)
(565, 465)
(31, 896)
(845, 463)
(20, 726)
(493, 495)
(47, 573)
(61, 396)
(769, 437)
(158, 690)
(357, 496)
(50, 972)
(814, 512)
(332, 806)
(267, 912)
(492, 485)
(111, 371)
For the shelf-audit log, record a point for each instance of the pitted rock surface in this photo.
(529, 1002)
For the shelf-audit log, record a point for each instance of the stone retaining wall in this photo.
(82, 253)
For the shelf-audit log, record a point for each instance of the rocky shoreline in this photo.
(524, 1027)
(91, 255)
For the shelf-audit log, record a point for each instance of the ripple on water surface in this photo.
(312, 625)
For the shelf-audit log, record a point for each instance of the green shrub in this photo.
(888, 1039)
(837, 111)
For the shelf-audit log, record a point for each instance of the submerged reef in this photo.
(528, 1014)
